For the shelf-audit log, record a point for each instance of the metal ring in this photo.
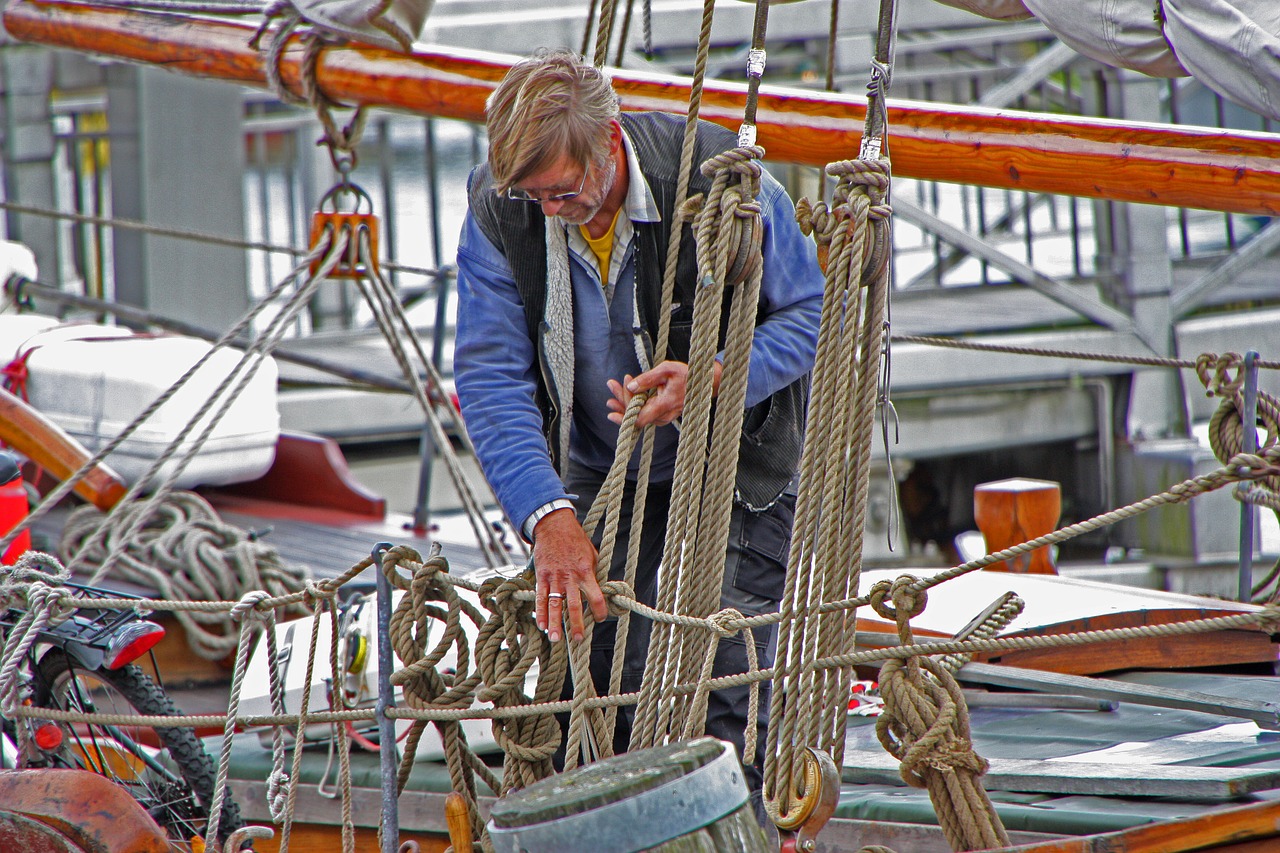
(558, 596)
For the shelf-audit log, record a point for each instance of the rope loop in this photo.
(247, 607)
(907, 603)
(1221, 375)
(616, 592)
(744, 160)
(508, 645)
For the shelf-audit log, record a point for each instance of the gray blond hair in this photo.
(548, 105)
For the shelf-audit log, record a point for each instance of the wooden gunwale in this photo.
(1236, 171)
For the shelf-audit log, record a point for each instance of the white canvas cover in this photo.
(393, 24)
(996, 10)
(1120, 33)
(1232, 46)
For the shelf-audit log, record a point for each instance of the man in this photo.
(560, 269)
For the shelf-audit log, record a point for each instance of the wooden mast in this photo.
(1235, 171)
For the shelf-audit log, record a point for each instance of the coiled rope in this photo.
(183, 550)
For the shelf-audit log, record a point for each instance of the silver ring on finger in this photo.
(555, 596)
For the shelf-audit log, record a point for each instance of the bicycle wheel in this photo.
(165, 769)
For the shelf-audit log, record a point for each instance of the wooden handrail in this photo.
(46, 444)
(1179, 166)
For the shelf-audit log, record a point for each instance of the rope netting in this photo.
(922, 711)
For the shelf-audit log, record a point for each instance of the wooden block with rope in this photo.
(1010, 512)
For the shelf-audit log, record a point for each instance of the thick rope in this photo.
(706, 464)
(508, 646)
(644, 729)
(925, 725)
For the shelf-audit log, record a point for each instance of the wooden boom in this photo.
(1179, 166)
(46, 444)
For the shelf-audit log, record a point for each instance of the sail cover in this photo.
(997, 10)
(393, 24)
(1232, 46)
(1123, 34)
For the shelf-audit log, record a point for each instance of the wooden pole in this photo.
(1179, 166)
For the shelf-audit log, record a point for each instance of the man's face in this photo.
(565, 176)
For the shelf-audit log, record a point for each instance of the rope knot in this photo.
(316, 592)
(616, 592)
(277, 793)
(722, 622)
(1221, 375)
(906, 602)
(815, 219)
(744, 160)
(247, 606)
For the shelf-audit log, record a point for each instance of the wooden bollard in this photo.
(1010, 512)
(688, 795)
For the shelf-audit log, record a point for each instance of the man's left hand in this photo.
(668, 382)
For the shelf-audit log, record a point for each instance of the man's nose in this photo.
(551, 207)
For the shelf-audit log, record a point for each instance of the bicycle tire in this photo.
(180, 804)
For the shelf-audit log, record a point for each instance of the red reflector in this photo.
(48, 736)
(133, 642)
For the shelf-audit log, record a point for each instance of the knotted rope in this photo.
(508, 646)
(925, 725)
(1223, 376)
(808, 707)
(33, 583)
(179, 547)
(430, 599)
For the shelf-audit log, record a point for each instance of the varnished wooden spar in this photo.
(46, 444)
(1124, 161)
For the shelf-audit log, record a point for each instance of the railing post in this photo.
(1249, 444)
(386, 701)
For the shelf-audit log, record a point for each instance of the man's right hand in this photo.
(565, 562)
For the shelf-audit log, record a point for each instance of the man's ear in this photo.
(615, 135)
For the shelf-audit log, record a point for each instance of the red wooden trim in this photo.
(309, 471)
(1178, 166)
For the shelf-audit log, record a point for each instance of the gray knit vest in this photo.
(773, 430)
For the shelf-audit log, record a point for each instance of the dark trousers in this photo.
(755, 573)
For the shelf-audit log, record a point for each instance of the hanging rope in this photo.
(728, 227)
(825, 559)
(807, 707)
(706, 465)
(508, 646)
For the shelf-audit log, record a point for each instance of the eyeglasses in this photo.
(517, 194)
